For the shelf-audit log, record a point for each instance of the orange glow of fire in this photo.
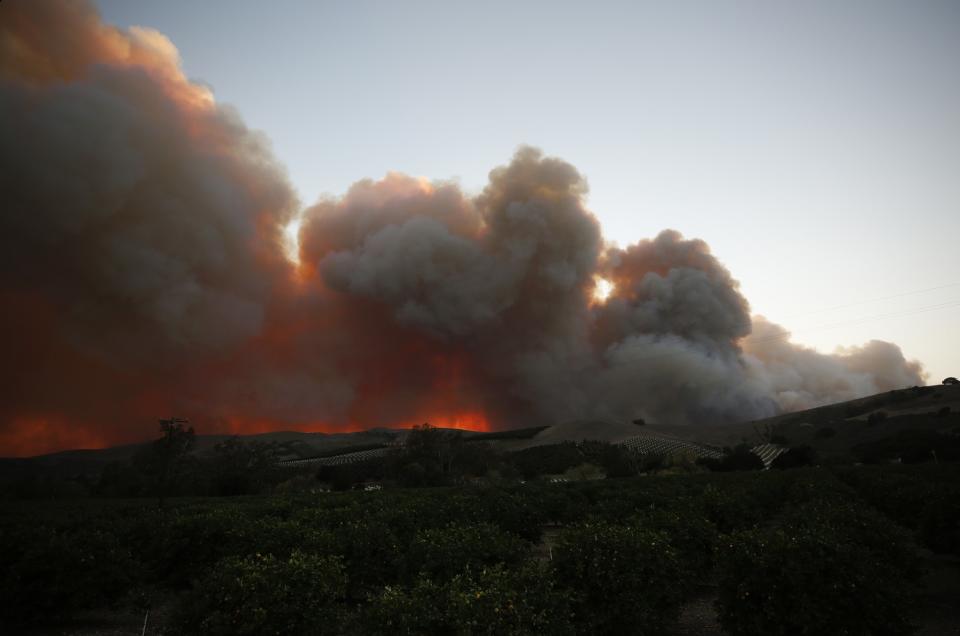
(38, 436)
(466, 421)
(41, 435)
(602, 290)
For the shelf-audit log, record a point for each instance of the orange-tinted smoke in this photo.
(143, 275)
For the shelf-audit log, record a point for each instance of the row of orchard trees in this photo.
(789, 552)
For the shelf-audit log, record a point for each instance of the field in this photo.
(845, 550)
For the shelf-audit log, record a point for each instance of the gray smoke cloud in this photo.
(144, 273)
(799, 378)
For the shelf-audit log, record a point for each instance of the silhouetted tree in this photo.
(241, 468)
(165, 457)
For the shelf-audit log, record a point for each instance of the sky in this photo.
(464, 179)
(815, 146)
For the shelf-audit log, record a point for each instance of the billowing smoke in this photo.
(140, 224)
(144, 274)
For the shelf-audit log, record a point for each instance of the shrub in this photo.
(624, 579)
(513, 511)
(261, 594)
(493, 600)
(500, 601)
(48, 574)
(730, 508)
(194, 540)
(796, 457)
(826, 569)
(371, 552)
(693, 536)
(552, 459)
(442, 553)
(739, 458)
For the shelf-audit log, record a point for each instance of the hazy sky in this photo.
(815, 146)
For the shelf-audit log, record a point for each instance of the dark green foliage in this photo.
(414, 561)
(165, 462)
(48, 574)
(352, 475)
(876, 417)
(263, 594)
(911, 447)
(493, 600)
(241, 468)
(442, 553)
(796, 457)
(561, 503)
(825, 433)
(372, 553)
(898, 493)
(694, 537)
(190, 541)
(824, 569)
(553, 459)
(616, 460)
(737, 458)
(731, 507)
(511, 510)
(624, 579)
(120, 479)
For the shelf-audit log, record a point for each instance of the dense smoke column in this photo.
(140, 227)
(494, 286)
(799, 378)
(143, 274)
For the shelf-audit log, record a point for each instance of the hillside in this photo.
(832, 430)
(836, 429)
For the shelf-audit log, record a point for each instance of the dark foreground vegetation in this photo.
(806, 551)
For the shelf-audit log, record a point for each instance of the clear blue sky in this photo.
(815, 145)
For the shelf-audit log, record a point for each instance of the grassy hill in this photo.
(834, 430)
(837, 429)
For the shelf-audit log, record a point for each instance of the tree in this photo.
(951, 380)
(165, 458)
(430, 454)
(623, 579)
(241, 468)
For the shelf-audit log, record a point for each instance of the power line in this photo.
(866, 319)
(873, 300)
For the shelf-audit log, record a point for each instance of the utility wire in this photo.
(873, 300)
(866, 319)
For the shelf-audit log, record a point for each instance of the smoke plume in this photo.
(144, 274)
